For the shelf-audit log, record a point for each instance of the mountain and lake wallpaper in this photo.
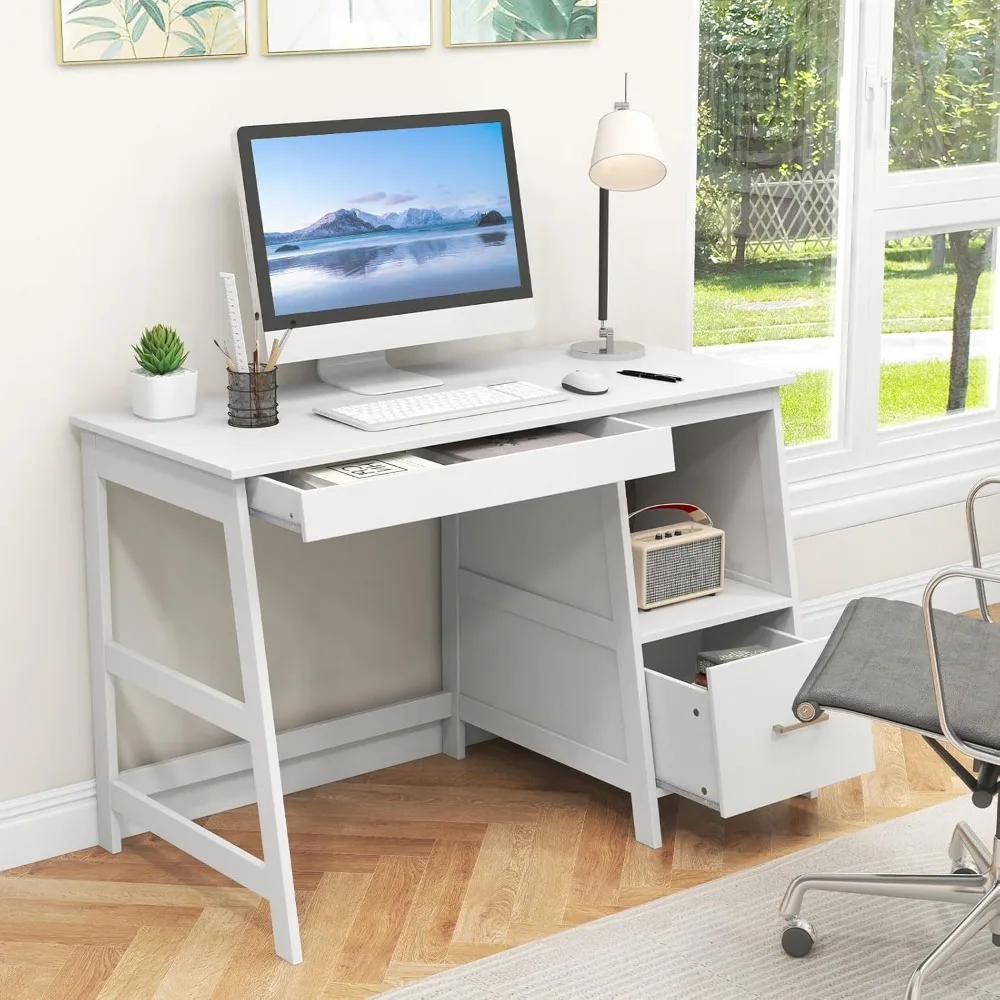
(370, 218)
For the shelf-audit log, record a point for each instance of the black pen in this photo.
(652, 375)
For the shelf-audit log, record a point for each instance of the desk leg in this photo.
(631, 675)
(454, 728)
(263, 740)
(102, 687)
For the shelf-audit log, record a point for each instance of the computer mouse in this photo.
(586, 383)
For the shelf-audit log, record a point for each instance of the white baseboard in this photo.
(818, 617)
(62, 820)
(48, 824)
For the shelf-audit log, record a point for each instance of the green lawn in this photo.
(779, 300)
(907, 393)
(792, 298)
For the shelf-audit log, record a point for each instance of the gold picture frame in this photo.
(519, 22)
(348, 26)
(96, 32)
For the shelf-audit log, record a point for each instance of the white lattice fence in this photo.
(782, 213)
(760, 214)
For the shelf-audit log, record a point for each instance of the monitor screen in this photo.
(378, 217)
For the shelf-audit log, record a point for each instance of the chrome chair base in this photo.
(975, 879)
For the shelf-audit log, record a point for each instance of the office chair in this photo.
(884, 660)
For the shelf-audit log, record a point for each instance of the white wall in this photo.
(118, 205)
(923, 542)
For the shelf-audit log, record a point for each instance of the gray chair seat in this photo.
(876, 663)
(880, 663)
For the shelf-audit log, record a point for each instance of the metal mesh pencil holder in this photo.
(253, 398)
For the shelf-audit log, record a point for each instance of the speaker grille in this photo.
(683, 569)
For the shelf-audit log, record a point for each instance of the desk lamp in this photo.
(627, 157)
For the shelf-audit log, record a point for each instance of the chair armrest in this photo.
(977, 560)
(981, 577)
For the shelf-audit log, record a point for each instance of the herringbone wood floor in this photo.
(403, 873)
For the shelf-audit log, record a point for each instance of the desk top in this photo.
(302, 439)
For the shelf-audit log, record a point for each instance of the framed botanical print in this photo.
(101, 31)
(499, 22)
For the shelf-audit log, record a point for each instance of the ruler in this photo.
(237, 344)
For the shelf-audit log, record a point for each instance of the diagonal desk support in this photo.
(262, 736)
(252, 719)
(640, 777)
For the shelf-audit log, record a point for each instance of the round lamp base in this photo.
(618, 350)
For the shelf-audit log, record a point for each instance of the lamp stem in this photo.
(602, 262)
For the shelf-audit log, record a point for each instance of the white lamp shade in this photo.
(627, 153)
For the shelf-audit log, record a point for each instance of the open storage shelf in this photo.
(720, 465)
(737, 601)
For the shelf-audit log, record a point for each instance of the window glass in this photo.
(766, 206)
(938, 342)
(944, 83)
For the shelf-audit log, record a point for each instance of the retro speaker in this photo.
(677, 561)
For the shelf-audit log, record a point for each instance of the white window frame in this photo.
(866, 473)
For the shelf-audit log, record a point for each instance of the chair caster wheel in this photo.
(798, 939)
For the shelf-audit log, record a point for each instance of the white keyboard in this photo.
(424, 408)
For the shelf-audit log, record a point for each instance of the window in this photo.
(847, 209)
(767, 197)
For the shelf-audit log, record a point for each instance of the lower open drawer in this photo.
(735, 743)
(600, 451)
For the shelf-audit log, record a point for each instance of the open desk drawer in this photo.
(618, 449)
(737, 744)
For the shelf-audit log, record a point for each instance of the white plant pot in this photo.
(163, 397)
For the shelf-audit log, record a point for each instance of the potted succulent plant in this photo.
(162, 389)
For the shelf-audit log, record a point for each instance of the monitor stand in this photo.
(371, 375)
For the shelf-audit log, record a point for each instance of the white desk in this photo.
(542, 643)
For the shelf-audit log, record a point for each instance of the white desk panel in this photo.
(301, 438)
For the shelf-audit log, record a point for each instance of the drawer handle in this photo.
(783, 730)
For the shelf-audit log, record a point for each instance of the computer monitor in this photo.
(378, 233)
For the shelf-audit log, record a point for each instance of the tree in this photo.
(970, 262)
(944, 113)
(767, 102)
(768, 82)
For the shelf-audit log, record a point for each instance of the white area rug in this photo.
(720, 941)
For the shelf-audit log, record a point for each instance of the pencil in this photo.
(279, 346)
(272, 359)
